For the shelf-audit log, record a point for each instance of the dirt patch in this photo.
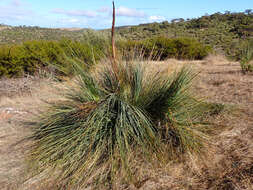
(15, 108)
(4, 27)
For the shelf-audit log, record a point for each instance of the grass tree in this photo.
(114, 116)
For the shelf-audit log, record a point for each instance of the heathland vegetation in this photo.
(16, 35)
(54, 56)
(225, 33)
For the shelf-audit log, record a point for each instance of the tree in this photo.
(248, 11)
(227, 12)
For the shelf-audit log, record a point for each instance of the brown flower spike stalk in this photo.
(114, 60)
(113, 26)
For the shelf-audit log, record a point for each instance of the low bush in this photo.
(30, 57)
(55, 56)
(113, 117)
(246, 61)
(164, 48)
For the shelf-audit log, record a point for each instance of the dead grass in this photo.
(15, 108)
(228, 164)
(18, 86)
(4, 27)
(215, 59)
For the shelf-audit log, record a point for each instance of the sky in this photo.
(96, 14)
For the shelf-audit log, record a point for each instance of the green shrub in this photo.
(246, 58)
(29, 57)
(246, 67)
(164, 48)
(8, 64)
(114, 116)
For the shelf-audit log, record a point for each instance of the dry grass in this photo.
(18, 102)
(227, 166)
(4, 27)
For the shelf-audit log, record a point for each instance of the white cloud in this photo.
(14, 10)
(128, 12)
(73, 20)
(18, 12)
(155, 18)
(82, 13)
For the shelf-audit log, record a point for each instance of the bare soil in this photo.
(4, 27)
(228, 165)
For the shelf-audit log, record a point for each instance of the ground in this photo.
(228, 164)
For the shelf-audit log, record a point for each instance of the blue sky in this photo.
(96, 14)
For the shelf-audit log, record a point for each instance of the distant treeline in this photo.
(226, 33)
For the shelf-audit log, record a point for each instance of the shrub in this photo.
(112, 117)
(180, 48)
(246, 58)
(29, 57)
(246, 67)
(8, 65)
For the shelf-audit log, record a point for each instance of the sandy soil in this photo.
(227, 166)
(4, 27)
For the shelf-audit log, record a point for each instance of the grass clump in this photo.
(113, 116)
